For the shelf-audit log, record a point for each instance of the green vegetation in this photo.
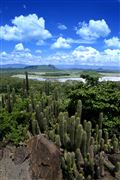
(91, 78)
(82, 119)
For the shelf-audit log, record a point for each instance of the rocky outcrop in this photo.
(44, 159)
(39, 159)
(9, 170)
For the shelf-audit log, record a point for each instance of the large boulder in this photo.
(39, 159)
(44, 159)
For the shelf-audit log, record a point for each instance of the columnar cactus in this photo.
(109, 165)
(90, 164)
(23, 87)
(96, 132)
(9, 105)
(100, 120)
(37, 113)
(72, 131)
(91, 148)
(78, 136)
(30, 108)
(84, 144)
(45, 125)
(32, 100)
(66, 141)
(43, 101)
(77, 122)
(56, 94)
(115, 144)
(117, 174)
(106, 137)
(3, 101)
(79, 158)
(68, 160)
(57, 140)
(52, 135)
(35, 127)
(79, 109)
(101, 164)
(63, 164)
(99, 135)
(13, 96)
(8, 101)
(61, 127)
(27, 82)
(73, 158)
(88, 131)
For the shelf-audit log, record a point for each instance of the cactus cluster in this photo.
(84, 149)
(9, 99)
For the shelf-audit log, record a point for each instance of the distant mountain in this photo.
(28, 67)
(41, 67)
(58, 67)
(89, 67)
(12, 66)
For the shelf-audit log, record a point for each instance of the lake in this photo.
(63, 79)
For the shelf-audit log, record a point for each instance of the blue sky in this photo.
(74, 32)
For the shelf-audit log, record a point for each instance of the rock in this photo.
(39, 160)
(1, 154)
(108, 176)
(20, 155)
(114, 158)
(44, 159)
(9, 170)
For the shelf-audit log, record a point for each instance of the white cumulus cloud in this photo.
(61, 43)
(93, 30)
(113, 42)
(21, 57)
(19, 47)
(62, 26)
(81, 55)
(85, 53)
(113, 53)
(29, 27)
(3, 54)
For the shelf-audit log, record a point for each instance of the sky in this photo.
(70, 32)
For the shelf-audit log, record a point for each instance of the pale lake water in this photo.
(105, 78)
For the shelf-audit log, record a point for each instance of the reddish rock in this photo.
(44, 159)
